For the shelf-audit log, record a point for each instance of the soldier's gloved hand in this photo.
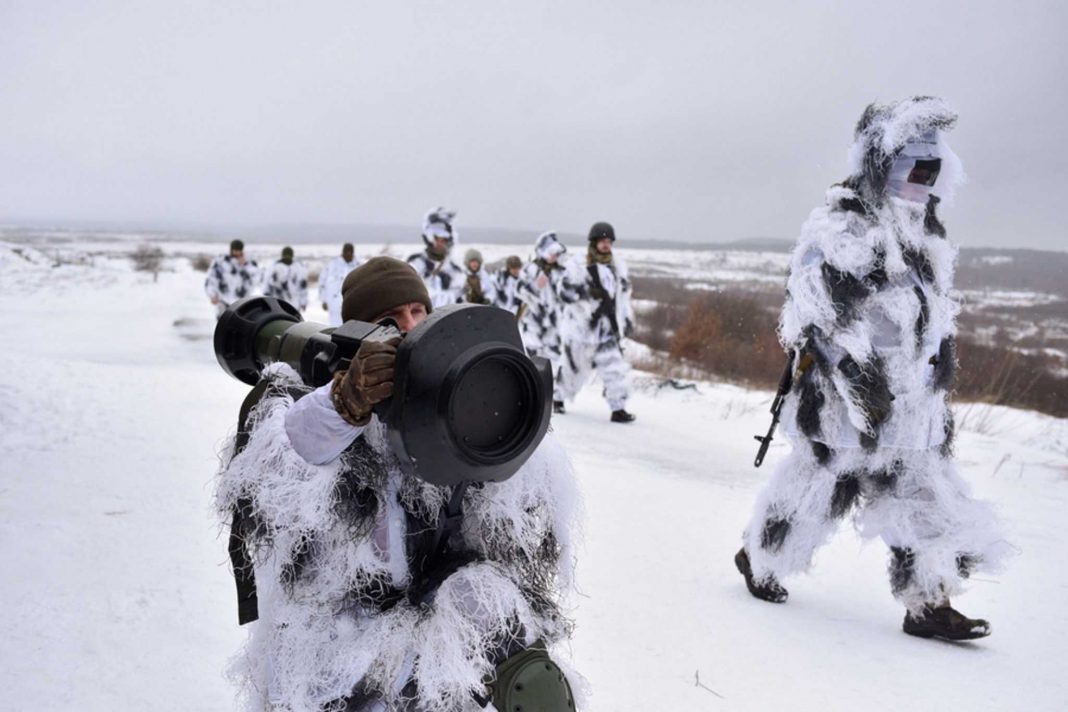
(368, 380)
(325, 307)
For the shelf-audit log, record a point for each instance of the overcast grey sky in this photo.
(698, 121)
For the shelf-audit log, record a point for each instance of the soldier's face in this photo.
(407, 316)
(604, 245)
(441, 244)
(514, 271)
(346, 255)
(474, 265)
(238, 255)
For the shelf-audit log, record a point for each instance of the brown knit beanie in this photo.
(378, 285)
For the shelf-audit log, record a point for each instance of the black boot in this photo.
(945, 623)
(558, 407)
(622, 416)
(770, 590)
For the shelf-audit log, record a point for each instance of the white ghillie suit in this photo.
(596, 325)
(868, 298)
(444, 279)
(229, 281)
(330, 281)
(333, 547)
(543, 292)
(288, 282)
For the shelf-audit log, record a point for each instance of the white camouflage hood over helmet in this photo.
(882, 134)
(548, 244)
(438, 223)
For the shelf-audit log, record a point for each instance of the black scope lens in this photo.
(490, 407)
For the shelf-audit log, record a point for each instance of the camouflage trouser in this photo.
(549, 348)
(333, 311)
(579, 362)
(914, 500)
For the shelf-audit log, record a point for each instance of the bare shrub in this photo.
(1004, 376)
(657, 328)
(730, 335)
(201, 262)
(147, 258)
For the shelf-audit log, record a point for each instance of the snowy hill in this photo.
(117, 592)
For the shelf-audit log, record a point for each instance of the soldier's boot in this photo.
(558, 407)
(946, 623)
(766, 590)
(531, 682)
(622, 416)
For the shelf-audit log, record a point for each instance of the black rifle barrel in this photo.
(786, 381)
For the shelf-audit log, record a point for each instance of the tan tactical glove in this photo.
(368, 380)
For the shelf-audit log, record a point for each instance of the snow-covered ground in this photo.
(117, 595)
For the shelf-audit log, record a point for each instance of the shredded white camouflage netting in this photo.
(314, 641)
(909, 499)
(856, 247)
(869, 297)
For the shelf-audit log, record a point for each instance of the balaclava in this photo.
(915, 168)
(912, 130)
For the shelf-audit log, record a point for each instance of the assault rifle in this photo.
(607, 306)
(786, 382)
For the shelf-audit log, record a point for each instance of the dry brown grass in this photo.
(732, 335)
(726, 334)
(1004, 376)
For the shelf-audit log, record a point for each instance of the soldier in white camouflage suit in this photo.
(288, 280)
(598, 323)
(543, 292)
(231, 277)
(870, 323)
(479, 287)
(336, 532)
(506, 281)
(443, 278)
(331, 279)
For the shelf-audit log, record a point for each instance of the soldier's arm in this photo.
(316, 431)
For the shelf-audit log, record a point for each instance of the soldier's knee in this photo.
(530, 681)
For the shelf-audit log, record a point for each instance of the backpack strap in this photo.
(241, 524)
